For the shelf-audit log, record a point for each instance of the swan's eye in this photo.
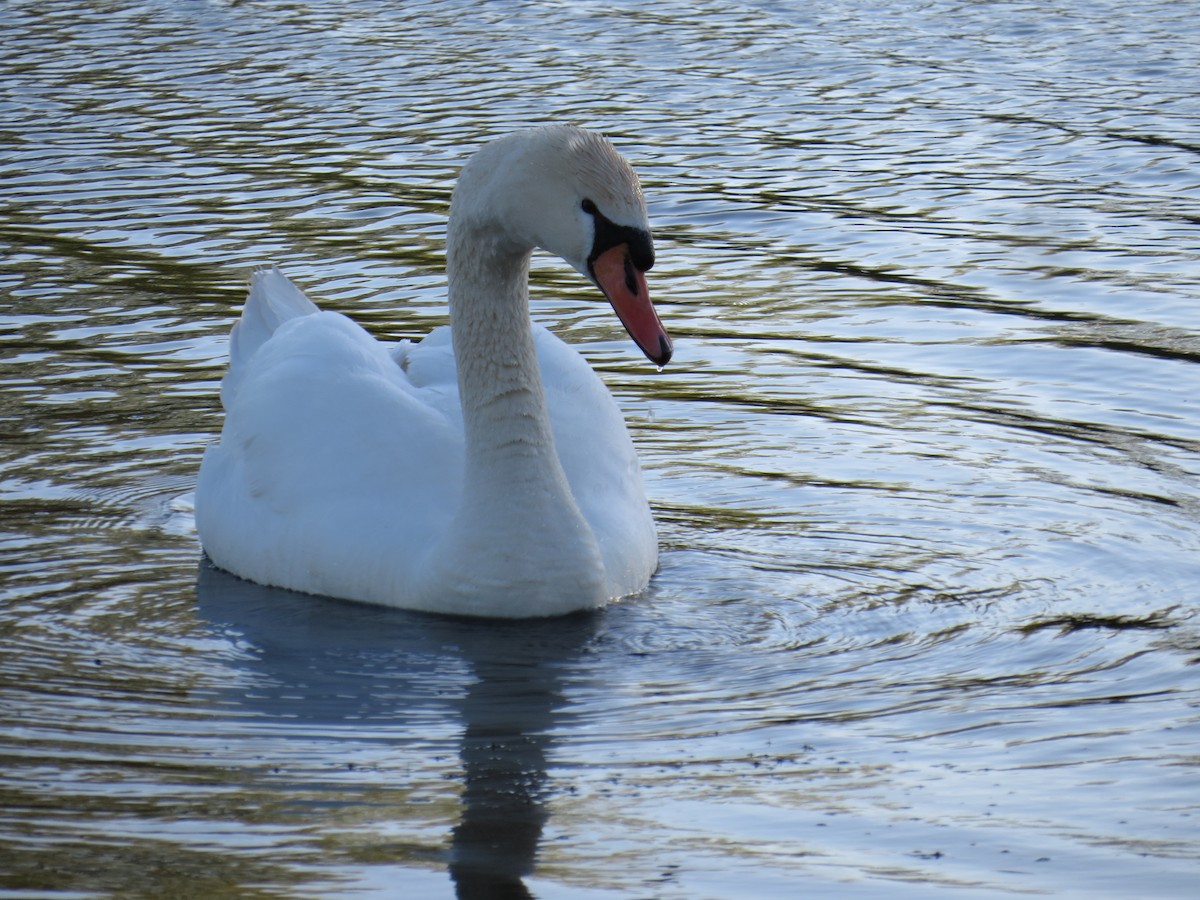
(607, 235)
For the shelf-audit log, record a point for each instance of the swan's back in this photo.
(332, 463)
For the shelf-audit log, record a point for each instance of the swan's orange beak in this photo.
(625, 287)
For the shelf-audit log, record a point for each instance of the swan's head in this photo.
(569, 192)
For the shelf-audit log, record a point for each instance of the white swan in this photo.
(448, 475)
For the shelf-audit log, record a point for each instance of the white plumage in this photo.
(505, 486)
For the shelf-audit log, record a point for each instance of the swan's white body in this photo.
(483, 471)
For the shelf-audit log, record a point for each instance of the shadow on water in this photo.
(325, 663)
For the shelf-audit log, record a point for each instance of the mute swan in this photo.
(483, 471)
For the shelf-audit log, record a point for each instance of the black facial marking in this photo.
(609, 235)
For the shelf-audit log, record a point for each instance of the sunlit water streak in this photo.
(925, 465)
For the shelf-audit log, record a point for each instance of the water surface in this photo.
(926, 464)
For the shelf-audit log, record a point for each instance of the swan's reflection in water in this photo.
(508, 714)
(320, 662)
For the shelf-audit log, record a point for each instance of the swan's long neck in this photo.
(517, 528)
(508, 435)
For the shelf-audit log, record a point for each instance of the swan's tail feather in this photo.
(273, 300)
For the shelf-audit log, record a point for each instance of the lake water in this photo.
(926, 463)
